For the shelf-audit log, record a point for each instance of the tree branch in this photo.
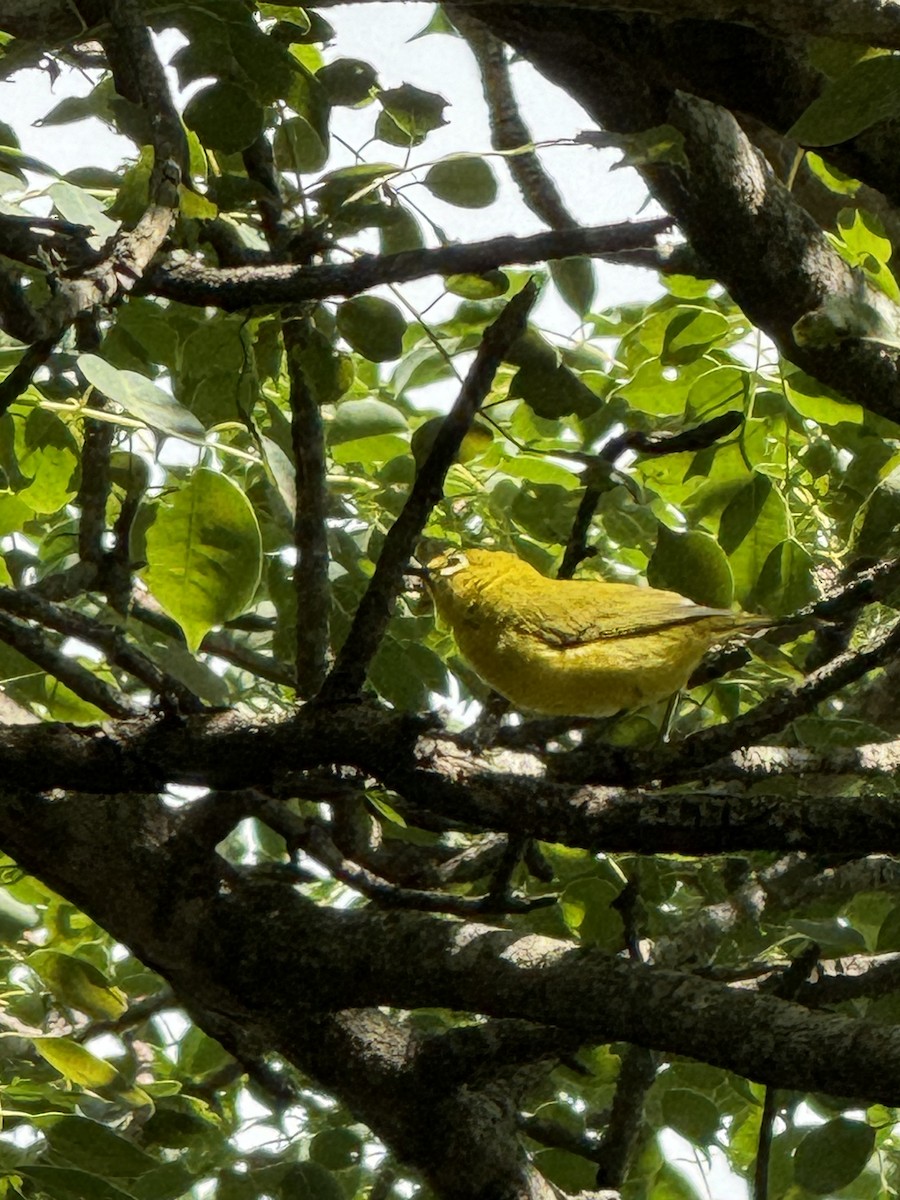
(508, 129)
(311, 587)
(766, 250)
(213, 944)
(372, 616)
(242, 287)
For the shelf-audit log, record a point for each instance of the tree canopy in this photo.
(292, 905)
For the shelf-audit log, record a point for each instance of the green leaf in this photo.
(691, 1114)
(298, 146)
(373, 327)
(720, 390)
(587, 910)
(78, 1065)
(310, 1181)
(876, 524)
(864, 234)
(328, 373)
(195, 207)
(889, 933)
(438, 23)
(363, 419)
(479, 438)
(818, 403)
(694, 565)
(570, 1172)
(351, 183)
(63, 1183)
(266, 63)
(833, 179)
(575, 281)
(140, 397)
(462, 180)
(478, 287)
(47, 457)
(171, 1181)
(831, 1156)
(865, 94)
(204, 553)
(661, 144)
(81, 208)
(833, 935)
(16, 162)
(753, 523)
(78, 984)
(787, 580)
(553, 391)
(399, 230)
(77, 108)
(225, 117)
(92, 1147)
(348, 81)
(336, 1149)
(690, 334)
(413, 112)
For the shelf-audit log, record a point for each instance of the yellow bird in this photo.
(574, 648)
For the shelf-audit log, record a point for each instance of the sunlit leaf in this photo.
(203, 552)
(140, 397)
(78, 1065)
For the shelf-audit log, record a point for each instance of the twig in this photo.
(357, 835)
(868, 982)
(15, 383)
(311, 836)
(82, 682)
(650, 444)
(311, 589)
(551, 1133)
(242, 287)
(508, 129)
(94, 490)
(222, 646)
(259, 164)
(135, 1014)
(372, 616)
(787, 985)
(764, 1145)
(139, 76)
(501, 884)
(111, 640)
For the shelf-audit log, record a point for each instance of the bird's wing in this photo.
(610, 615)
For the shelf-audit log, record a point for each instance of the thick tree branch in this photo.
(214, 945)
(222, 750)
(866, 22)
(769, 253)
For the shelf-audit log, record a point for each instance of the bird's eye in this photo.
(454, 562)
